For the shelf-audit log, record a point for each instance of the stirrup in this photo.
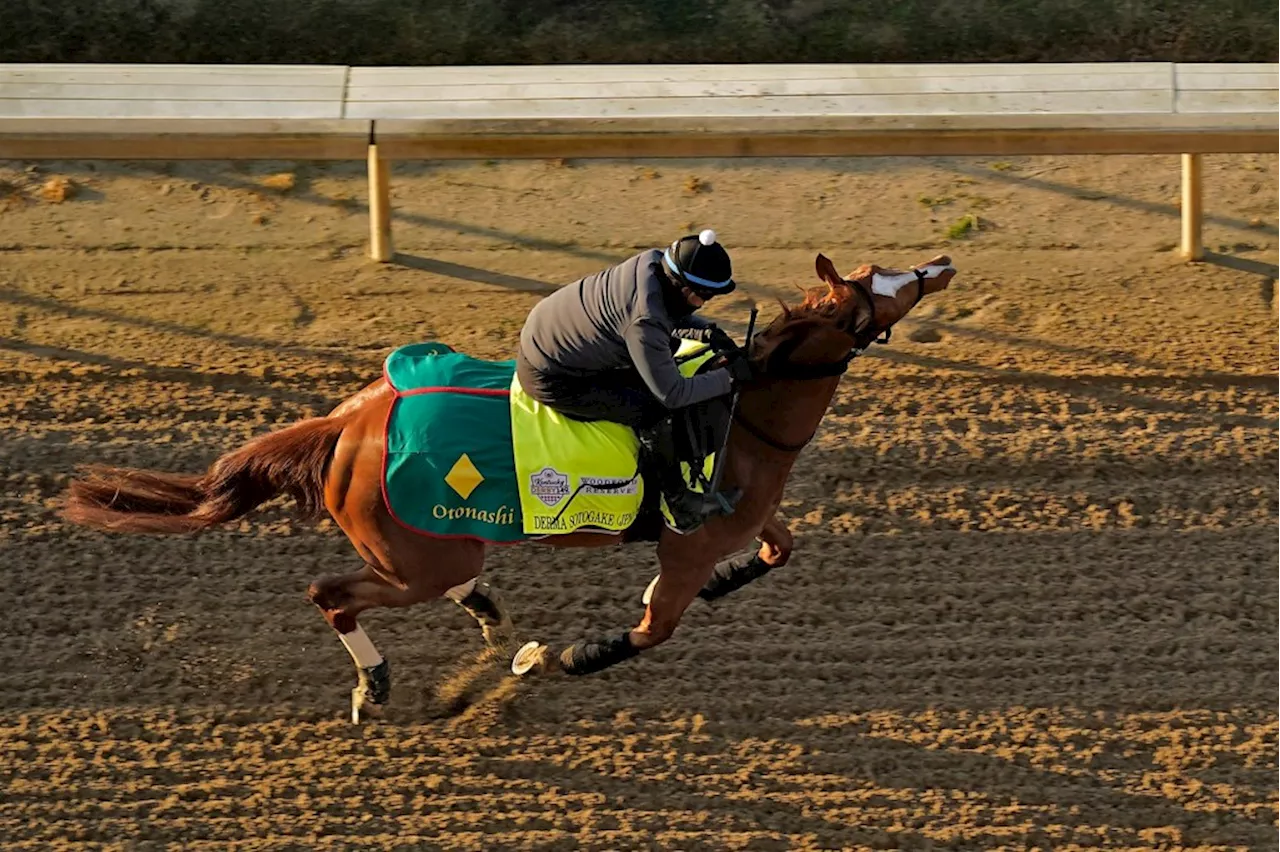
(730, 497)
(691, 509)
(687, 518)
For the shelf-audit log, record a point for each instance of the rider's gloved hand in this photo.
(720, 341)
(740, 369)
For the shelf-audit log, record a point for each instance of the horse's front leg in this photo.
(776, 544)
(678, 582)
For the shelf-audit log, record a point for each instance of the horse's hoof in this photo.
(648, 592)
(362, 703)
(532, 655)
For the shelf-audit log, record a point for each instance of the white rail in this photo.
(617, 111)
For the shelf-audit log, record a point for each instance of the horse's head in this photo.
(837, 322)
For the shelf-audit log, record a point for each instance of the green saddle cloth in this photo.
(448, 468)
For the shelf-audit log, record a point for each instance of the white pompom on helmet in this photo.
(699, 262)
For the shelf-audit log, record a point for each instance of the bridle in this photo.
(779, 366)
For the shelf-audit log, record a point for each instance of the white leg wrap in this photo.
(457, 593)
(360, 647)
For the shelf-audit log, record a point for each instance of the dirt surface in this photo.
(1034, 599)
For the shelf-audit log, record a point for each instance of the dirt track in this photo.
(1034, 601)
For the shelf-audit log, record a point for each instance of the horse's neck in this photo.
(789, 412)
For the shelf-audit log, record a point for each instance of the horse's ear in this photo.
(827, 271)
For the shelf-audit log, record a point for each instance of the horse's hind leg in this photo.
(343, 598)
(483, 602)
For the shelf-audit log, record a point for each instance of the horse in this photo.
(334, 463)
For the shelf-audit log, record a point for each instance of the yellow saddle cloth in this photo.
(576, 476)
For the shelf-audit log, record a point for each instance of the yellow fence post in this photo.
(1192, 208)
(379, 206)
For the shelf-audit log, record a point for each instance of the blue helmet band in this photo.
(703, 283)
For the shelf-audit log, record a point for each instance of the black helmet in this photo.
(701, 264)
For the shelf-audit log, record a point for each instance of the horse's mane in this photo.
(820, 304)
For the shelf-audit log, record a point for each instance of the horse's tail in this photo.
(294, 460)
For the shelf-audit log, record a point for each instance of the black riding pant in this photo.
(619, 396)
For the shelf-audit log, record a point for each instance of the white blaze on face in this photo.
(889, 285)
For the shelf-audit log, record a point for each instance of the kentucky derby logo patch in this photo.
(549, 485)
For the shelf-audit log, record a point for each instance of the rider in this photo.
(602, 348)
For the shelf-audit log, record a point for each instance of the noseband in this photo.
(779, 366)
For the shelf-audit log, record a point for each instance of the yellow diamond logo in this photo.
(463, 476)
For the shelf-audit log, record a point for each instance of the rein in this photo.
(813, 372)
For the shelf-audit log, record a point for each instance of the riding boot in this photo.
(688, 508)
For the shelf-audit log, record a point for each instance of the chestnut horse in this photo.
(334, 463)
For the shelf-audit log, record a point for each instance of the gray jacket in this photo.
(614, 320)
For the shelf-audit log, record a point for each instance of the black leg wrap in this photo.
(588, 657)
(481, 607)
(733, 575)
(377, 680)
